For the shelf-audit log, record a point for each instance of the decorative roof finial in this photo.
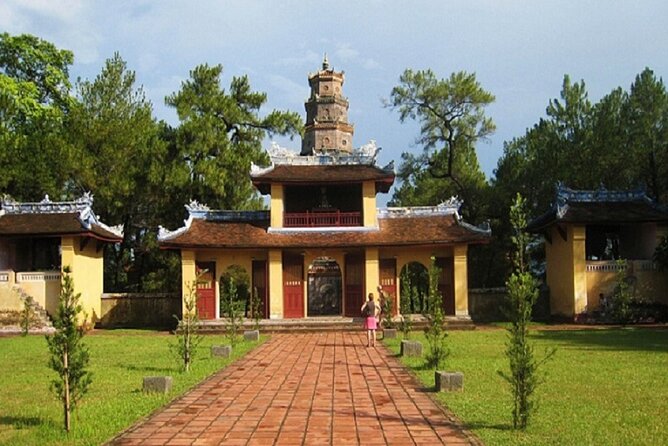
(325, 63)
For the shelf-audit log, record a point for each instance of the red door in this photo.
(388, 280)
(293, 286)
(354, 284)
(260, 284)
(446, 284)
(206, 290)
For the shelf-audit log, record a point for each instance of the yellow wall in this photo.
(275, 284)
(188, 274)
(460, 274)
(566, 271)
(87, 267)
(277, 206)
(369, 204)
(371, 272)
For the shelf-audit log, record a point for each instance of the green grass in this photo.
(30, 414)
(603, 387)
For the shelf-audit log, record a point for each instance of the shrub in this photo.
(69, 355)
(27, 318)
(435, 333)
(187, 330)
(405, 326)
(232, 309)
(522, 294)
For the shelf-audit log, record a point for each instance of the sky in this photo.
(519, 50)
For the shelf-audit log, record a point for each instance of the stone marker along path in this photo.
(303, 389)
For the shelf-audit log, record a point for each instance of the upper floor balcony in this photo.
(311, 219)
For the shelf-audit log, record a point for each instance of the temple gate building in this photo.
(323, 245)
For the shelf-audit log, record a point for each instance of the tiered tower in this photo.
(327, 127)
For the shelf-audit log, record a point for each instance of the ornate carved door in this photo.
(206, 290)
(354, 284)
(446, 284)
(293, 286)
(388, 280)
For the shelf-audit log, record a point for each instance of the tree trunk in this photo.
(66, 389)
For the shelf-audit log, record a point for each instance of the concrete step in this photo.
(326, 324)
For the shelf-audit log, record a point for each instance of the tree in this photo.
(220, 135)
(122, 158)
(188, 327)
(452, 118)
(34, 100)
(522, 294)
(69, 355)
(435, 332)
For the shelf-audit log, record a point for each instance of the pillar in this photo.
(277, 208)
(188, 275)
(369, 204)
(275, 284)
(371, 272)
(460, 274)
(579, 269)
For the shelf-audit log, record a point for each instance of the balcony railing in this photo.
(322, 219)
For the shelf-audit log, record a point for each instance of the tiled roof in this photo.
(52, 224)
(396, 231)
(599, 207)
(323, 174)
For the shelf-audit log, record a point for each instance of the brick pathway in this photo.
(302, 389)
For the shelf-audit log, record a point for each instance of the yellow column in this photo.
(188, 274)
(369, 204)
(579, 269)
(275, 284)
(371, 272)
(460, 274)
(276, 206)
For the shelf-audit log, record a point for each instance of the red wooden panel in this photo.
(388, 280)
(260, 285)
(293, 286)
(354, 284)
(206, 290)
(446, 284)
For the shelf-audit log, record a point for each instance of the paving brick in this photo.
(305, 388)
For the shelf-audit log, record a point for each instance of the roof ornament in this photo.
(195, 205)
(325, 63)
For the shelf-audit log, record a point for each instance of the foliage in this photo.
(232, 308)
(220, 135)
(34, 99)
(69, 355)
(584, 406)
(405, 326)
(414, 279)
(435, 332)
(522, 294)
(27, 315)
(119, 359)
(256, 309)
(187, 333)
(387, 304)
(660, 256)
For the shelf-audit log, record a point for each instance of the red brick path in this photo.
(302, 389)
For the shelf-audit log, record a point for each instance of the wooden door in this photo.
(388, 280)
(446, 284)
(206, 290)
(260, 285)
(293, 286)
(354, 284)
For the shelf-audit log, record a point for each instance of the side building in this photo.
(323, 245)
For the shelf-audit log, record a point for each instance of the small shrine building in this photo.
(323, 245)
(39, 239)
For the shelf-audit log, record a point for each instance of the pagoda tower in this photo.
(327, 128)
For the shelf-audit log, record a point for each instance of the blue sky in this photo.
(520, 51)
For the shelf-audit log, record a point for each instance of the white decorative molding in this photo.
(448, 207)
(365, 155)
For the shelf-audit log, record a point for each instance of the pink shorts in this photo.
(370, 323)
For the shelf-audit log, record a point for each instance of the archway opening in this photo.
(324, 287)
(239, 276)
(414, 280)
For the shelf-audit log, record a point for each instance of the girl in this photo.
(370, 311)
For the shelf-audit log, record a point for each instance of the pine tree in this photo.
(69, 355)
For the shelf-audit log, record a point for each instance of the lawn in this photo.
(603, 387)
(30, 414)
